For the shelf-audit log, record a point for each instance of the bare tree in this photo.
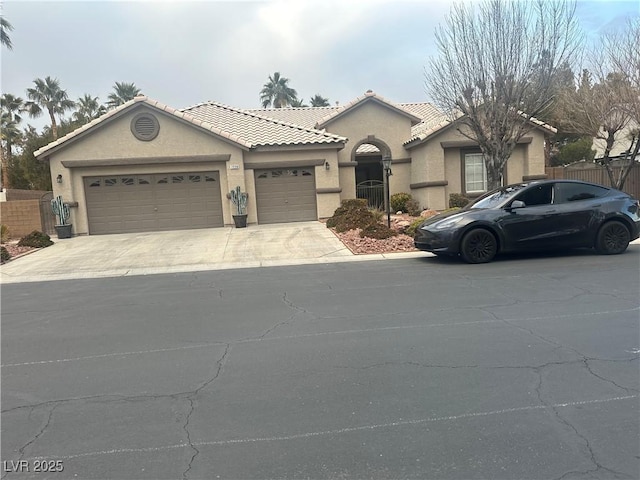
(609, 110)
(495, 68)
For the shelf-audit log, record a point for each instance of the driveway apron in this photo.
(178, 251)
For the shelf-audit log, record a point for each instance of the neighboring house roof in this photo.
(116, 112)
(260, 130)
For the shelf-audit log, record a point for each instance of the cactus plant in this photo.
(239, 199)
(60, 209)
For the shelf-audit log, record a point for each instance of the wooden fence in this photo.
(596, 174)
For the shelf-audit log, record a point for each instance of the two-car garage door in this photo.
(143, 203)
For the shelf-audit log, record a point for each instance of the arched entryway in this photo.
(368, 154)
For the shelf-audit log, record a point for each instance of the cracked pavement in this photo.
(417, 368)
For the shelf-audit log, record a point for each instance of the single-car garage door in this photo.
(286, 195)
(146, 203)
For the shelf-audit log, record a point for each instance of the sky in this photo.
(181, 53)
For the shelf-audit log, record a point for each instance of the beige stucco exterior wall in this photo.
(386, 125)
(114, 140)
(432, 163)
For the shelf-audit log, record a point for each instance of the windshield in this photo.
(496, 197)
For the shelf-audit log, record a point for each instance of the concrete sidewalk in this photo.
(184, 251)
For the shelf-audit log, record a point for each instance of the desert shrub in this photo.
(378, 215)
(398, 202)
(4, 255)
(378, 231)
(457, 200)
(351, 214)
(452, 209)
(4, 233)
(413, 207)
(411, 229)
(35, 239)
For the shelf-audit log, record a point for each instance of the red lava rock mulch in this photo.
(15, 251)
(363, 246)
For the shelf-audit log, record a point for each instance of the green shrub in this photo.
(411, 229)
(413, 207)
(457, 200)
(351, 214)
(5, 256)
(398, 202)
(35, 239)
(378, 231)
(4, 233)
(452, 209)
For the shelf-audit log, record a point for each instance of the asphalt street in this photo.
(524, 368)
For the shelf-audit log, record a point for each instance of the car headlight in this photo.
(446, 223)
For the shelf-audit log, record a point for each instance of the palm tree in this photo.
(9, 135)
(48, 95)
(13, 106)
(277, 92)
(5, 28)
(319, 101)
(10, 109)
(298, 103)
(88, 108)
(122, 93)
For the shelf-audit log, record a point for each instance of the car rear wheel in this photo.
(613, 238)
(478, 246)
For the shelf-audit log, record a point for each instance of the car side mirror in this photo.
(517, 204)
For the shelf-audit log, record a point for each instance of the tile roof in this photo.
(310, 117)
(260, 129)
(435, 123)
(368, 96)
(367, 148)
(252, 128)
(306, 117)
(151, 103)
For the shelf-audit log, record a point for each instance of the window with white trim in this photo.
(475, 173)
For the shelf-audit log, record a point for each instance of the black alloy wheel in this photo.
(478, 246)
(613, 238)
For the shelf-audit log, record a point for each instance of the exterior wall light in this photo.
(59, 178)
(327, 166)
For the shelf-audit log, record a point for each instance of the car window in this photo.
(573, 192)
(537, 195)
(495, 197)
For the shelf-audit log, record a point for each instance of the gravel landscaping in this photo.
(399, 243)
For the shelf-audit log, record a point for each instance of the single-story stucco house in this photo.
(145, 166)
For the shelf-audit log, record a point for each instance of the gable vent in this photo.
(145, 127)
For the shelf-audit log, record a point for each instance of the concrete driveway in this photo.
(178, 251)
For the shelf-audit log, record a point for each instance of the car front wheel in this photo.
(478, 246)
(613, 238)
